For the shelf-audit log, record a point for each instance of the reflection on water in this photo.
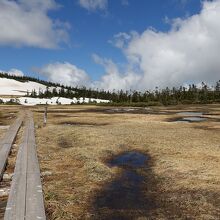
(190, 113)
(130, 159)
(192, 119)
(124, 197)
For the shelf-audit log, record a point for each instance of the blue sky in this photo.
(88, 31)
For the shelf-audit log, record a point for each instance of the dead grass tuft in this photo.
(64, 143)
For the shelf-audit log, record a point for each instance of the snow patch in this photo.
(53, 101)
(11, 87)
(14, 87)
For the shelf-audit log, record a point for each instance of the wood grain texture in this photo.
(26, 197)
(6, 143)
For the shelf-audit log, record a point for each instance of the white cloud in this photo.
(26, 23)
(14, 72)
(93, 5)
(120, 39)
(113, 78)
(65, 73)
(189, 52)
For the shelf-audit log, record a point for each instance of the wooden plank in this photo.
(34, 197)
(12, 132)
(26, 196)
(16, 202)
(4, 152)
(6, 143)
(16, 205)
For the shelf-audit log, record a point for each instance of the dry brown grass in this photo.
(183, 179)
(7, 116)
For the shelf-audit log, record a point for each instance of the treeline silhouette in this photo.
(193, 94)
(59, 89)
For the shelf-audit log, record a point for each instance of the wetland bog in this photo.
(99, 164)
(181, 178)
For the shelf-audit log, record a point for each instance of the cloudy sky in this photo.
(112, 44)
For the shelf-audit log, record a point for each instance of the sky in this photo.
(112, 44)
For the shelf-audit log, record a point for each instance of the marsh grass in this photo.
(183, 179)
(7, 116)
(64, 142)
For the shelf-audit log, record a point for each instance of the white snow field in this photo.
(11, 87)
(53, 101)
(16, 88)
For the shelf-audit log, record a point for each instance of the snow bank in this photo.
(11, 87)
(53, 101)
(14, 87)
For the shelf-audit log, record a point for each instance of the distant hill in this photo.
(29, 90)
(18, 88)
(21, 85)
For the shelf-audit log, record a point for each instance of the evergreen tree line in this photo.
(63, 91)
(168, 96)
(181, 95)
(69, 92)
(172, 96)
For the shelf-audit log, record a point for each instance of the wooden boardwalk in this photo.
(26, 197)
(6, 143)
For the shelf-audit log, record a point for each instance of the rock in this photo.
(4, 192)
(46, 173)
(7, 176)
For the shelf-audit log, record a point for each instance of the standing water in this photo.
(125, 195)
(129, 159)
(191, 117)
(190, 113)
